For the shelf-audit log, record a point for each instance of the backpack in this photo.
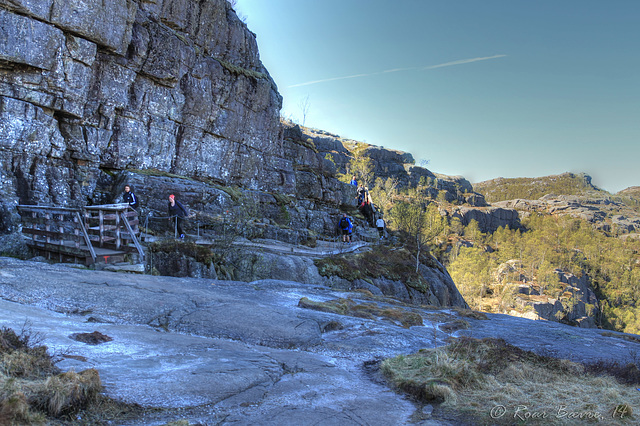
(344, 223)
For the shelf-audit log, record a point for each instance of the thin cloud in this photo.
(463, 61)
(446, 64)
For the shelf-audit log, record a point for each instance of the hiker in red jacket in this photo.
(178, 212)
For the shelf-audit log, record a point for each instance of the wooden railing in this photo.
(113, 226)
(56, 229)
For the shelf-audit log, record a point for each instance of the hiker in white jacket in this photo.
(380, 225)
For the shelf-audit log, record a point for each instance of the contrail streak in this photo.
(446, 64)
(463, 61)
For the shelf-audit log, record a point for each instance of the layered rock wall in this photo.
(88, 86)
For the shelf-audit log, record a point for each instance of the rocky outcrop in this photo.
(574, 303)
(250, 261)
(441, 290)
(489, 219)
(501, 189)
(387, 163)
(600, 211)
(631, 192)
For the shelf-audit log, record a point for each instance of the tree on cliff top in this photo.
(361, 166)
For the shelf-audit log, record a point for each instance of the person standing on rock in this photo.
(346, 227)
(130, 198)
(380, 225)
(178, 212)
(354, 181)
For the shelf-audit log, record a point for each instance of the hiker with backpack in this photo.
(346, 227)
(177, 212)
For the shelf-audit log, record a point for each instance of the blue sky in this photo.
(482, 89)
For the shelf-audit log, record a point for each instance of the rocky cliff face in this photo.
(89, 86)
(489, 219)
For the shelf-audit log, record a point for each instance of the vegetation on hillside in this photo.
(401, 316)
(550, 243)
(546, 246)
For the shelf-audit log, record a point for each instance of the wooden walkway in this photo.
(104, 233)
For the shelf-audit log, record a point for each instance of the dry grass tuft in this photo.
(629, 337)
(628, 373)
(15, 409)
(493, 382)
(22, 355)
(67, 392)
(399, 316)
(458, 324)
(468, 313)
(33, 391)
(31, 386)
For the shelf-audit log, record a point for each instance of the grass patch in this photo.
(402, 317)
(628, 337)
(625, 373)
(469, 313)
(455, 325)
(493, 382)
(232, 191)
(234, 69)
(34, 391)
(380, 262)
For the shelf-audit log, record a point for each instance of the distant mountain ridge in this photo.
(502, 189)
(567, 194)
(632, 192)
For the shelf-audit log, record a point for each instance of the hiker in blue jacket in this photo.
(178, 212)
(346, 227)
